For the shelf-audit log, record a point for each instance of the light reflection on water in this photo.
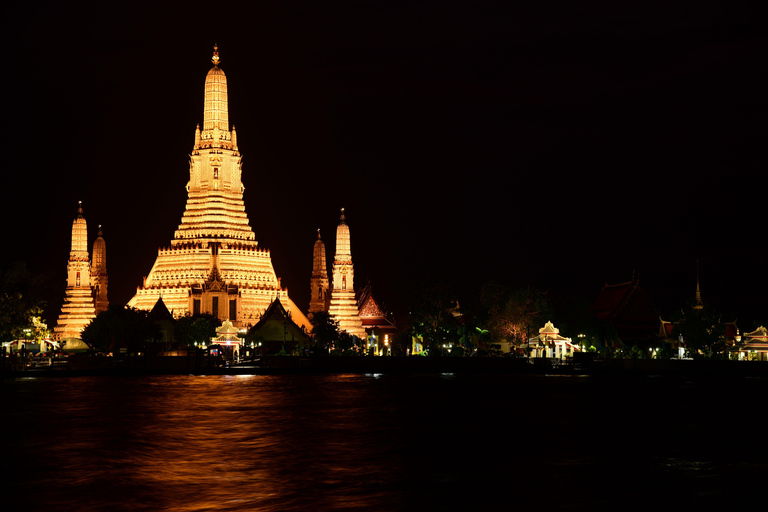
(211, 443)
(366, 442)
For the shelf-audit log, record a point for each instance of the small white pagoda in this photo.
(549, 343)
(227, 335)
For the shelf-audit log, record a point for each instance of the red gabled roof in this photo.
(371, 314)
(627, 307)
(665, 331)
(369, 308)
(275, 311)
(611, 298)
(627, 300)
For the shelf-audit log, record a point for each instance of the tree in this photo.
(572, 315)
(19, 301)
(39, 330)
(702, 330)
(348, 345)
(604, 338)
(435, 316)
(472, 338)
(402, 342)
(118, 327)
(516, 315)
(191, 329)
(327, 337)
(325, 331)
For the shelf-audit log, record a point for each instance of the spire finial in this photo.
(343, 218)
(80, 207)
(318, 233)
(215, 59)
(699, 303)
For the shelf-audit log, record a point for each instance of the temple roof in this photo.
(626, 305)
(368, 306)
(759, 333)
(611, 298)
(227, 333)
(665, 330)
(549, 329)
(756, 345)
(550, 333)
(370, 312)
(226, 327)
(286, 329)
(275, 311)
(160, 310)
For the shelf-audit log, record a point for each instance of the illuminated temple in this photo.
(214, 264)
(86, 292)
(343, 306)
(319, 292)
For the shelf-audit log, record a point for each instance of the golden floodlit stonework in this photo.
(99, 278)
(86, 292)
(214, 264)
(320, 295)
(343, 306)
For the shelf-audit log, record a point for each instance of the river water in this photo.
(381, 442)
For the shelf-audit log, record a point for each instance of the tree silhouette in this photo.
(121, 327)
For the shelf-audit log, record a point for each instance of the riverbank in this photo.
(83, 365)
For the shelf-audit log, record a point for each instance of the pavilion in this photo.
(757, 344)
(549, 343)
(227, 336)
(379, 329)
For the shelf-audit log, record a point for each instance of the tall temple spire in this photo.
(215, 111)
(343, 307)
(79, 250)
(78, 308)
(215, 207)
(319, 295)
(699, 303)
(99, 276)
(214, 264)
(343, 251)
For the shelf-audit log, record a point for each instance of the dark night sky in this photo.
(556, 145)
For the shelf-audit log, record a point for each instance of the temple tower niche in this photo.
(78, 308)
(320, 295)
(99, 279)
(214, 264)
(343, 307)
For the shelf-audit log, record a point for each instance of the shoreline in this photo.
(294, 365)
